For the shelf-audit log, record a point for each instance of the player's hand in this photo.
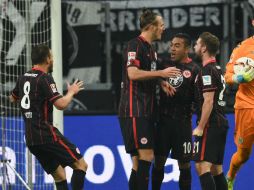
(170, 72)
(76, 86)
(246, 76)
(167, 88)
(197, 132)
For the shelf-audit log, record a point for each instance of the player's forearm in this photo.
(206, 112)
(63, 102)
(143, 75)
(12, 99)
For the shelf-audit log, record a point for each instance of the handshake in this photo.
(246, 75)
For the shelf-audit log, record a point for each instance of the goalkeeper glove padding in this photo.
(245, 76)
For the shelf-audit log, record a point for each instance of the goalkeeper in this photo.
(244, 104)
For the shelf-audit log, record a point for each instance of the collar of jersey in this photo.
(37, 69)
(209, 61)
(143, 39)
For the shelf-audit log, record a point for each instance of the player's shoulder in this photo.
(133, 41)
(194, 64)
(248, 41)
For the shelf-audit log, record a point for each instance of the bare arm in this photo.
(12, 99)
(207, 108)
(73, 89)
(135, 73)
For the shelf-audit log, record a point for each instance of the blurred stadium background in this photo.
(87, 39)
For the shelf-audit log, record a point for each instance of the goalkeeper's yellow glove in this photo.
(245, 76)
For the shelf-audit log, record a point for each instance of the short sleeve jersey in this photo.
(180, 104)
(36, 92)
(210, 79)
(138, 97)
(245, 93)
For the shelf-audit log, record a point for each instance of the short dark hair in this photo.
(185, 37)
(211, 42)
(39, 54)
(147, 17)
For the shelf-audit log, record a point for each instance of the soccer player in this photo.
(212, 125)
(174, 131)
(244, 105)
(136, 107)
(36, 92)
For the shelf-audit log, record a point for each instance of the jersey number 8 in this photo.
(25, 102)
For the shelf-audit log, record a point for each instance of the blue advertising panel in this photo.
(99, 140)
(99, 137)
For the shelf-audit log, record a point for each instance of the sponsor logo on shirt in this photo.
(207, 80)
(30, 75)
(53, 88)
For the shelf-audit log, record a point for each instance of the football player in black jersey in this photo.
(211, 131)
(174, 131)
(137, 101)
(36, 93)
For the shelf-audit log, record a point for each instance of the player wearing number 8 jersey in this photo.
(36, 92)
(210, 134)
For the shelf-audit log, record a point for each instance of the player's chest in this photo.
(149, 59)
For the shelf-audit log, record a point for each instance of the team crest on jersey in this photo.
(207, 80)
(176, 81)
(186, 73)
(143, 140)
(53, 88)
(240, 140)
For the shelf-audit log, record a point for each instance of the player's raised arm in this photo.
(135, 73)
(73, 89)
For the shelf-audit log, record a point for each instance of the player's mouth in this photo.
(173, 56)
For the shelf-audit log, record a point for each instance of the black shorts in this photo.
(211, 146)
(175, 136)
(137, 133)
(50, 156)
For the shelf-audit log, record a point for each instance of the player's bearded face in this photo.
(50, 62)
(158, 29)
(198, 48)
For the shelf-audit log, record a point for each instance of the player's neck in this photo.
(42, 68)
(207, 59)
(186, 60)
(147, 36)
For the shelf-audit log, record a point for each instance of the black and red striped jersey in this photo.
(138, 97)
(36, 92)
(179, 105)
(211, 79)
